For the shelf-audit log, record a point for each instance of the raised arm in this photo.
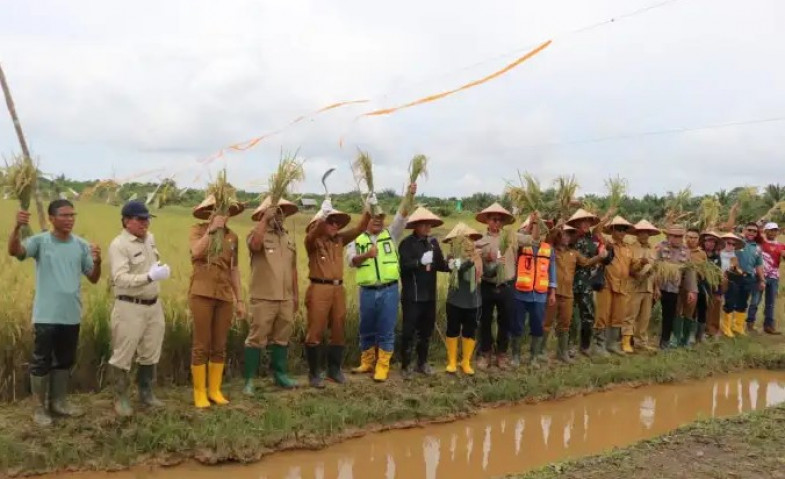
(200, 236)
(15, 247)
(352, 233)
(256, 237)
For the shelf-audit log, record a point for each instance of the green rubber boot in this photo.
(677, 331)
(515, 351)
(599, 348)
(687, 330)
(122, 403)
(562, 353)
(613, 341)
(278, 355)
(145, 374)
(535, 350)
(252, 357)
(58, 393)
(40, 388)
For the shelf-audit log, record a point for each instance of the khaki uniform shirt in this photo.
(213, 279)
(273, 267)
(643, 280)
(567, 260)
(325, 254)
(677, 255)
(130, 260)
(617, 274)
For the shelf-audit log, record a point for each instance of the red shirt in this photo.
(772, 253)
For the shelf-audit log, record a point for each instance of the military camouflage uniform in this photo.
(584, 295)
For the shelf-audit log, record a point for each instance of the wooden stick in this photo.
(25, 151)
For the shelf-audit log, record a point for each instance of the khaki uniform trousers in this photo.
(271, 322)
(636, 323)
(611, 309)
(136, 330)
(713, 314)
(326, 305)
(212, 321)
(561, 312)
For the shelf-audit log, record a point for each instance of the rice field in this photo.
(100, 223)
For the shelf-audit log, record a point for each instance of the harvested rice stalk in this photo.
(527, 198)
(667, 272)
(363, 171)
(462, 247)
(418, 167)
(566, 187)
(289, 172)
(709, 213)
(617, 188)
(508, 240)
(777, 208)
(706, 271)
(591, 206)
(224, 194)
(20, 177)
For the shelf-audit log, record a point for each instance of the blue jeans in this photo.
(536, 314)
(738, 294)
(770, 294)
(378, 314)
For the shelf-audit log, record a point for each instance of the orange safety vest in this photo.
(533, 272)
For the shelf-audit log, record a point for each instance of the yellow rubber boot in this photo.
(452, 355)
(467, 350)
(626, 344)
(367, 359)
(738, 323)
(199, 378)
(382, 366)
(726, 324)
(215, 374)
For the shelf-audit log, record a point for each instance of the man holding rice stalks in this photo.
(374, 255)
(567, 259)
(61, 259)
(273, 292)
(326, 298)
(420, 258)
(463, 296)
(641, 297)
(671, 277)
(498, 270)
(686, 309)
(137, 319)
(710, 302)
(215, 293)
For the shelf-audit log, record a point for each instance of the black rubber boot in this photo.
(144, 382)
(58, 393)
(40, 387)
(334, 363)
(315, 379)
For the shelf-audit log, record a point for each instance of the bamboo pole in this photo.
(25, 151)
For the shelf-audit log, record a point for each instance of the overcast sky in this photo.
(114, 89)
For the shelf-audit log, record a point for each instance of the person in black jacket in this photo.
(420, 257)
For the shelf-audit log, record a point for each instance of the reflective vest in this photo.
(382, 269)
(534, 271)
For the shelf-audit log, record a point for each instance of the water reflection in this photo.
(570, 428)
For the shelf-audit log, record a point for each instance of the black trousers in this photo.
(501, 299)
(54, 347)
(461, 321)
(702, 307)
(584, 301)
(668, 302)
(419, 319)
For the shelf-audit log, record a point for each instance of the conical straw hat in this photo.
(422, 214)
(462, 229)
(287, 207)
(204, 210)
(711, 233)
(495, 209)
(618, 221)
(568, 228)
(582, 214)
(342, 218)
(644, 226)
(732, 237)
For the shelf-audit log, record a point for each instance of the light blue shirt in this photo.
(59, 266)
(533, 296)
(750, 257)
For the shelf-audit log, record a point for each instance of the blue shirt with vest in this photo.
(533, 296)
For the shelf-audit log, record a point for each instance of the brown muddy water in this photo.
(504, 440)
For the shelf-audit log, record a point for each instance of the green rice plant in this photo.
(224, 194)
(289, 172)
(617, 188)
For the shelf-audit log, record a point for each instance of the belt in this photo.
(334, 282)
(381, 286)
(143, 302)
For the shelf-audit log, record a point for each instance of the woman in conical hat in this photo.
(420, 258)
(463, 297)
(214, 295)
(273, 292)
(710, 304)
(498, 270)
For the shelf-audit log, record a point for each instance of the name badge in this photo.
(387, 248)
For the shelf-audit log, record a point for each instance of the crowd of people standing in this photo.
(580, 276)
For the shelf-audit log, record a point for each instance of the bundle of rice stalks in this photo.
(617, 188)
(289, 172)
(164, 195)
(709, 213)
(508, 240)
(591, 206)
(676, 205)
(224, 194)
(777, 208)
(21, 175)
(747, 198)
(363, 171)
(566, 187)
(418, 167)
(462, 247)
(706, 271)
(528, 196)
(667, 272)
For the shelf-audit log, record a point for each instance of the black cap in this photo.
(136, 209)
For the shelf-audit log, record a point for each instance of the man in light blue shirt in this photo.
(61, 259)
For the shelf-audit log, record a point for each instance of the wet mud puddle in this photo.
(505, 440)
